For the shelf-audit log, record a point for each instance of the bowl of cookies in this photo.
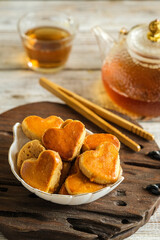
(63, 162)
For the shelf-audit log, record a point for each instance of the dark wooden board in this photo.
(115, 216)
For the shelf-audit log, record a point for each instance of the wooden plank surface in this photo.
(114, 216)
(82, 73)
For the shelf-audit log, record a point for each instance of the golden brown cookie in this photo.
(34, 126)
(63, 190)
(101, 165)
(64, 173)
(77, 183)
(67, 141)
(92, 141)
(31, 149)
(42, 173)
(66, 122)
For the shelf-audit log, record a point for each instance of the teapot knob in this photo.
(154, 34)
(123, 31)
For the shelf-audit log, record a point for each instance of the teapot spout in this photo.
(104, 40)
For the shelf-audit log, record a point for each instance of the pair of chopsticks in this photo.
(94, 113)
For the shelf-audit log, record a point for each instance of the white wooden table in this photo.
(18, 85)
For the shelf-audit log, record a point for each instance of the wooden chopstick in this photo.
(109, 115)
(89, 114)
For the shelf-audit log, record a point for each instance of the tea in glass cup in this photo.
(47, 39)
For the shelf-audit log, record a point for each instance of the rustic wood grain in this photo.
(116, 216)
(112, 14)
(108, 13)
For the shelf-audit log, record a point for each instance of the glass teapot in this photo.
(131, 68)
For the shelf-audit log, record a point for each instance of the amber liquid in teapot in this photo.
(133, 85)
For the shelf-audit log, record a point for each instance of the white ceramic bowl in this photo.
(19, 140)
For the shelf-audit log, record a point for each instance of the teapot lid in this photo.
(144, 42)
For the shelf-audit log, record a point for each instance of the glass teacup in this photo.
(47, 39)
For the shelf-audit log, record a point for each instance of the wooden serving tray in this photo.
(115, 216)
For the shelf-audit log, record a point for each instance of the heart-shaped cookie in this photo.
(77, 183)
(63, 190)
(42, 173)
(34, 126)
(74, 169)
(101, 165)
(31, 149)
(92, 141)
(66, 122)
(64, 173)
(67, 141)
